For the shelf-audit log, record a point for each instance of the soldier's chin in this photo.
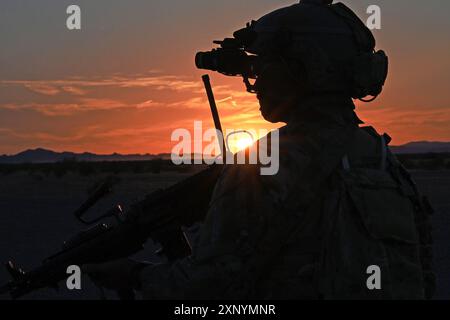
(273, 110)
(270, 114)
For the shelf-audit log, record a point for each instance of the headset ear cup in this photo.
(370, 74)
(380, 69)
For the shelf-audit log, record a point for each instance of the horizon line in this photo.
(165, 153)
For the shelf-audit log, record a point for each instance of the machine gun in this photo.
(161, 217)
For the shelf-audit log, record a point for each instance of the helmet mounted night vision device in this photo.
(362, 73)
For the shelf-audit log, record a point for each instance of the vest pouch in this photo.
(371, 225)
(385, 211)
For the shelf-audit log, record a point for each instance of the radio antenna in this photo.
(215, 114)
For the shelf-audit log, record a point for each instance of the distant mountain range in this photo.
(47, 156)
(41, 155)
(422, 147)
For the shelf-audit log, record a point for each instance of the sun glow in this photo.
(240, 143)
(243, 143)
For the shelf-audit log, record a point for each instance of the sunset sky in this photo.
(127, 79)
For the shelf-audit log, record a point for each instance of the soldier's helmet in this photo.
(322, 47)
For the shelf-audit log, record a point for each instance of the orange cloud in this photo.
(62, 109)
(409, 124)
(42, 88)
(73, 90)
(74, 84)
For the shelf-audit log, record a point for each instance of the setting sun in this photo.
(241, 142)
(244, 143)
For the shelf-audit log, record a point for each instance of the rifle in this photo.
(160, 217)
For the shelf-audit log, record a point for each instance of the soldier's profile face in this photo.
(276, 92)
(275, 108)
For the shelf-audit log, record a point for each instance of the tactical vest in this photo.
(372, 217)
(377, 240)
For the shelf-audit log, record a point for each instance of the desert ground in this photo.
(36, 217)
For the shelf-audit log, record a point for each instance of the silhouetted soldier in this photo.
(340, 202)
